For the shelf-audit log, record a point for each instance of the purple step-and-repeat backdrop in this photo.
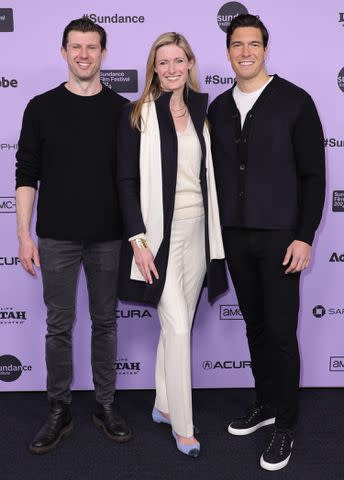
(306, 46)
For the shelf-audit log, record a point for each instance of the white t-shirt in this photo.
(245, 101)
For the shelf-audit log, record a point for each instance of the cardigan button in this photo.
(242, 167)
(244, 140)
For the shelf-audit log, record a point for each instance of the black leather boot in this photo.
(113, 425)
(58, 425)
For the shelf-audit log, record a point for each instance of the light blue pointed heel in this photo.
(190, 450)
(159, 417)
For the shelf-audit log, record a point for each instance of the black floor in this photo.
(88, 455)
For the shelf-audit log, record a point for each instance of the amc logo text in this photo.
(7, 205)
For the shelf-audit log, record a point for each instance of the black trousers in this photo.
(269, 302)
(60, 264)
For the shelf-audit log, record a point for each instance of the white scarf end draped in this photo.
(151, 196)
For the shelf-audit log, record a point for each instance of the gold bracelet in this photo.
(141, 242)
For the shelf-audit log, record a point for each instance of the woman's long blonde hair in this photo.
(152, 85)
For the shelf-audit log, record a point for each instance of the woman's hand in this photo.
(145, 262)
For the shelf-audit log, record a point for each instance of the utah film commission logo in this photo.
(120, 80)
(6, 20)
(9, 316)
(11, 368)
(228, 12)
(125, 367)
(340, 79)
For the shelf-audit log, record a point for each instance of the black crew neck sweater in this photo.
(68, 145)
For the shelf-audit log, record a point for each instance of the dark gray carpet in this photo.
(88, 455)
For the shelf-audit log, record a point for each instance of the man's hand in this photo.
(28, 255)
(145, 262)
(299, 253)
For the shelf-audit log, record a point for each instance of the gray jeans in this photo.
(60, 264)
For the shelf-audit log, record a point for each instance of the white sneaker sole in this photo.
(272, 467)
(247, 431)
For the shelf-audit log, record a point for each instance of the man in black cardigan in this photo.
(268, 152)
(68, 144)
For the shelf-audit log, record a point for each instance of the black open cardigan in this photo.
(129, 193)
(270, 174)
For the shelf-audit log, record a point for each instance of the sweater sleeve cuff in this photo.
(139, 235)
(27, 183)
(304, 236)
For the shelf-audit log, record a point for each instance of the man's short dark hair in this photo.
(247, 20)
(84, 24)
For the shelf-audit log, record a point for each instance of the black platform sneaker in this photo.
(278, 452)
(257, 416)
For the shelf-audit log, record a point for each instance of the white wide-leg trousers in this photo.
(184, 278)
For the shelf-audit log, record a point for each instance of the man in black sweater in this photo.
(68, 145)
(268, 152)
